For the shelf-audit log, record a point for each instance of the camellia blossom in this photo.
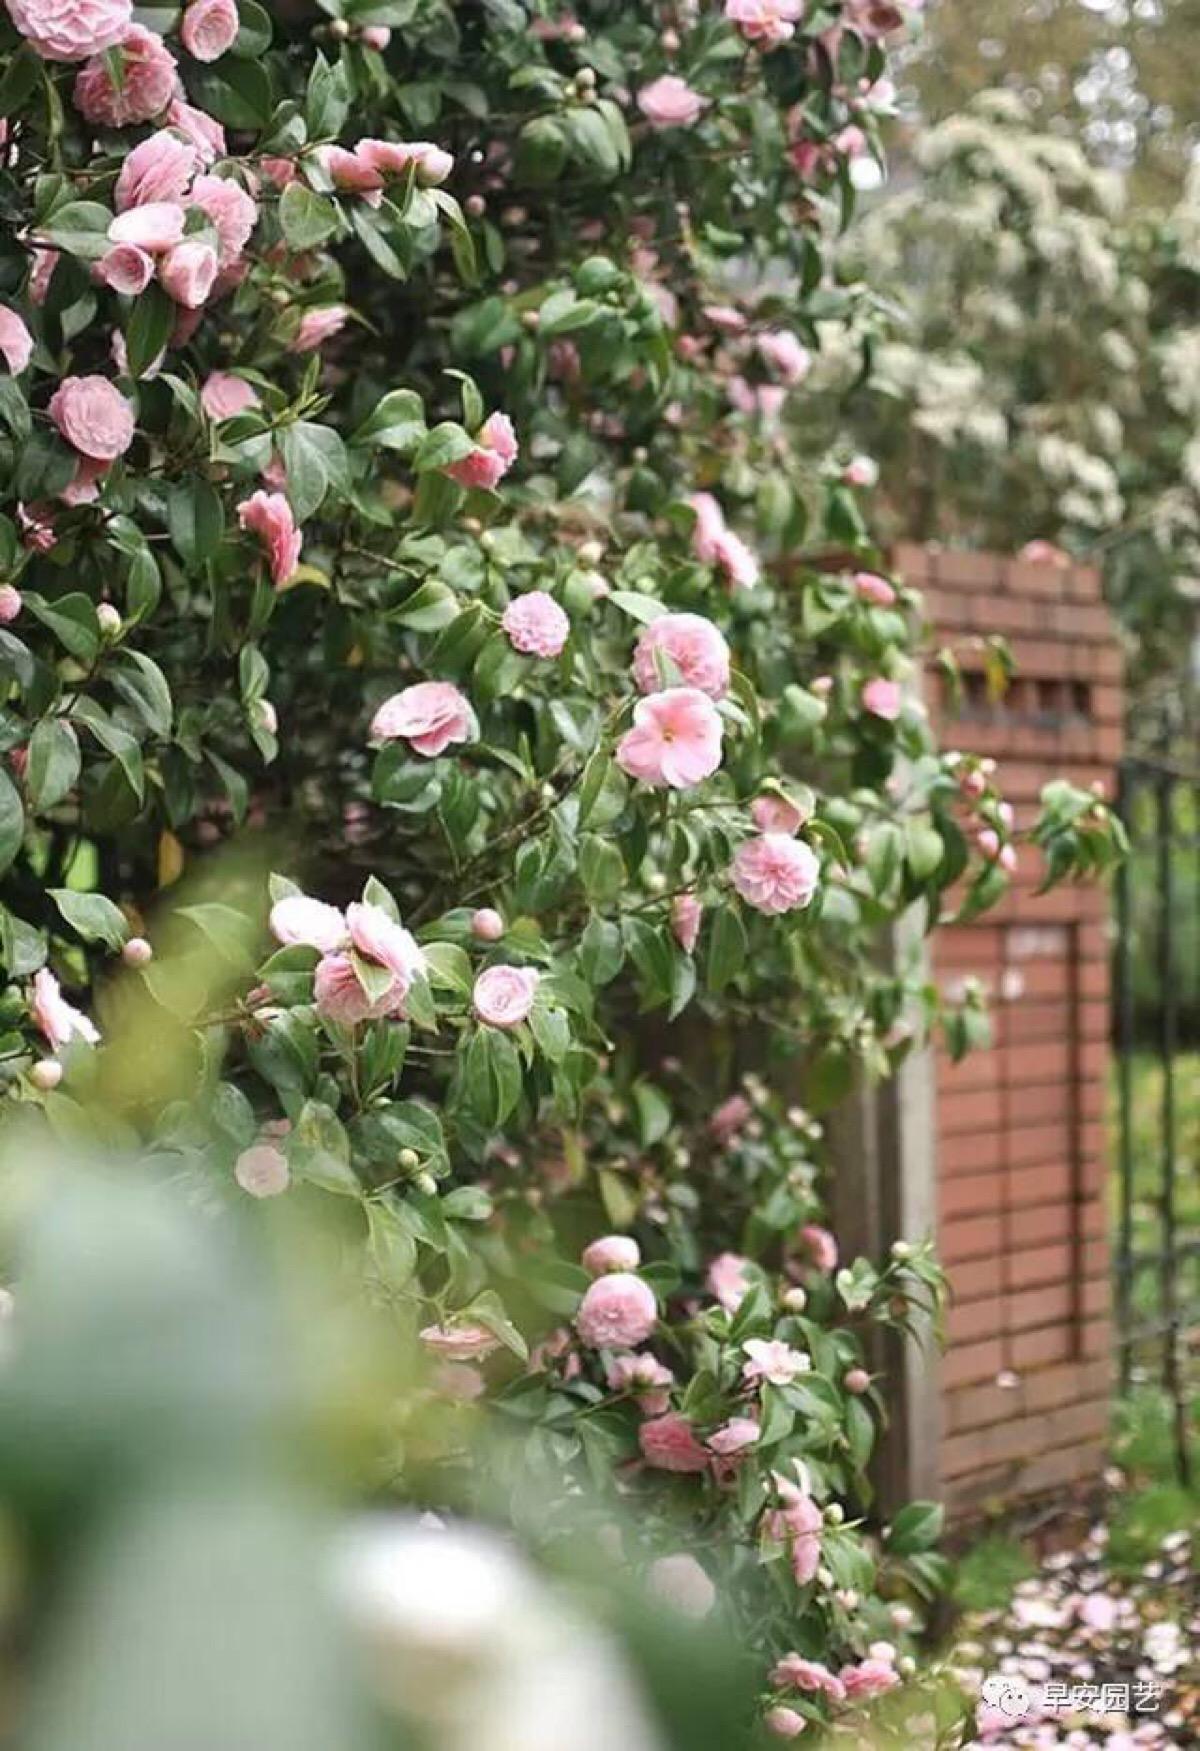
(156, 171)
(670, 102)
(262, 1170)
(786, 355)
(297, 919)
(223, 395)
(798, 1673)
(870, 587)
(268, 517)
(71, 30)
(203, 131)
(10, 604)
(869, 1678)
(669, 1444)
(487, 924)
(612, 1252)
(495, 452)
(727, 1120)
(820, 1245)
(16, 342)
(378, 937)
(765, 21)
(430, 716)
(460, 1341)
(696, 648)
(728, 1281)
(340, 996)
(146, 86)
(318, 326)
(93, 417)
(646, 1378)
(351, 173)
(675, 739)
(773, 1360)
(503, 996)
(686, 916)
(784, 1722)
(882, 698)
(59, 1021)
(618, 1312)
(775, 873)
(536, 625)
(187, 273)
(209, 28)
(154, 226)
(734, 1437)
(233, 214)
(799, 1525)
(126, 269)
(714, 543)
(772, 813)
(681, 1582)
(861, 471)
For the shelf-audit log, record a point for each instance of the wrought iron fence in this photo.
(1157, 1026)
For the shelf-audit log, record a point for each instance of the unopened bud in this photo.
(46, 1074)
(795, 1300)
(109, 619)
(408, 1160)
(137, 952)
(834, 1514)
(425, 1183)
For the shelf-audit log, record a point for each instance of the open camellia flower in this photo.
(775, 873)
(16, 342)
(503, 996)
(675, 739)
(430, 716)
(268, 516)
(495, 452)
(144, 89)
(93, 416)
(618, 1312)
(536, 625)
(71, 30)
(693, 645)
(59, 1020)
(670, 102)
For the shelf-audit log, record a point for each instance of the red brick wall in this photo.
(1021, 1146)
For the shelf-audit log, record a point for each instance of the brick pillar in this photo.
(1021, 1166)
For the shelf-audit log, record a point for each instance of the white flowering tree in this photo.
(398, 495)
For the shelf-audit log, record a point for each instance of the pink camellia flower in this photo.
(861, 471)
(695, 647)
(988, 841)
(146, 86)
(156, 226)
(686, 916)
(37, 528)
(729, 320)
(785, 354)
(727, 1280)
(882, 698)
(735, 1436)
(772, 813)
(339, 994)
(679, 1581)
(262, 1170)
(646, 1378)
(376, 36)
(618, 1312)
(59, 1021)
(487, 924)
(775, 873)
(503, 996)
(223, 395)
(736, 560)
(42, 272)
(187, 273)
(1042, 552)
(869, 1678)
(536, 625)
(430, 716)
(157, 171)
(819, 1244)
(727, 1120)
(16, 342)
(773, 1360)
(280, 172)
(233, 213)
(126, 268)
(10, 604)
(84, 488)
(675, 739)
(668, 1443)
(71, 30)
(670, 102)
(710, 522)
(93, 417)
(496, 451)
(870, 587)
(318, 326)
(268, 517)
(203, 131)
(460, 1341)
(802, 1674)
(351, 173)
(765, 21)
(297, 919)
(394, 158)
(209, 28)
(799, 1525)
(784, 1722)
(612, 1252)
(379, 938)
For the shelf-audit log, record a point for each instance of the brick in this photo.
(972, 1362)
(1048, 1344)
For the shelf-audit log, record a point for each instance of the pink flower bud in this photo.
(613, 1252)
(137, 952)
(46, 1074)
(856, 1380)
(487, 924)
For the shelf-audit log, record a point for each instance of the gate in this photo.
(1158, 1082)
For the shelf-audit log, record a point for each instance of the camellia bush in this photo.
(398, 497)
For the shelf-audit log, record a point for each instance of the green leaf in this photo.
(917, 1527)
(12, 821)
(319, 1150)
(430, 607)
(237, 93)
(488, 1309)
(196, 521)
(552, 1031)
(327, 103)
(397, 423)
(726, 947)
(254, 33)
(594, 775)
(143, 686)
(151, 323)
(79, 228)
(639, 607)
(72, 620)
(54, 763)
(19, 79)
(94, 917)
(445, 444)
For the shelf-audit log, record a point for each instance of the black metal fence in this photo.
(1158, 1084)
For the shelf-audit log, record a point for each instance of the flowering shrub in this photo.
(419, 513)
